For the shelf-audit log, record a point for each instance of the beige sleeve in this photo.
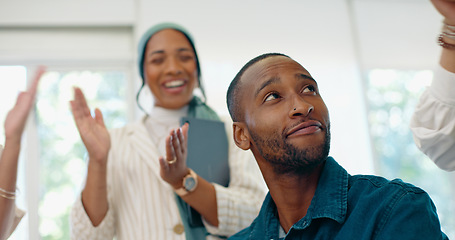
(19, 214)
(82, 228)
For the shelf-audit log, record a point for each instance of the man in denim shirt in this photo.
(280, 116)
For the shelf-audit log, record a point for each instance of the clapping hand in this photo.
(174, 167)
(92, 129)
(17, 116)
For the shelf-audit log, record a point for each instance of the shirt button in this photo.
(178, 229)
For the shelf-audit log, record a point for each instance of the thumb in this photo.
(99, 117)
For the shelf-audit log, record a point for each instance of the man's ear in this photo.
(241, 135)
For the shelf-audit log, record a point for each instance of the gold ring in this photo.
(172, 161)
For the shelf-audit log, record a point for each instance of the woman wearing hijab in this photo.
(135, 179)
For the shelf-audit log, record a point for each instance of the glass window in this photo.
(392, 96)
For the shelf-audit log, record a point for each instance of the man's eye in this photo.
(271, 96)
(309, 88)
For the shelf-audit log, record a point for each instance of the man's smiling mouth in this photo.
(305, 128)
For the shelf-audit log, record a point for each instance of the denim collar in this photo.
(329, 200)
(331, 197)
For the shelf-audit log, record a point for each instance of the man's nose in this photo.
(300, 107)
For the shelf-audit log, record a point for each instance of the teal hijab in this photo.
(197, 109)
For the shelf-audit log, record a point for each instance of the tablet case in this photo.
(207, 155)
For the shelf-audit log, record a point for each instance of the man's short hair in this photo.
(233, 97)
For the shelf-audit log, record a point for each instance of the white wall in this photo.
(67, 13)
(397, 33)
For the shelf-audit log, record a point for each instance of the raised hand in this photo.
(174, 167)
(92, 129)
(447, 10)
(17, 116)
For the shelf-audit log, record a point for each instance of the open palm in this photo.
(17, 116)
(92, 129)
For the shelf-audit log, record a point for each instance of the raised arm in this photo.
(432, 123)
(14, 126)
(97, 142)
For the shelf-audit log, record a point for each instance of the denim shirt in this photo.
(354, 207)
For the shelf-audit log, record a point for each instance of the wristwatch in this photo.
(189, 184)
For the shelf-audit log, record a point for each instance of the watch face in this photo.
(190, 183)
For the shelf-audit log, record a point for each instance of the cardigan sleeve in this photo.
(18, 215)
(239, 203)
(82, 228)
(81, 225)
(433, 121)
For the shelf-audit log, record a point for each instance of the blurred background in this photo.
(372, 60)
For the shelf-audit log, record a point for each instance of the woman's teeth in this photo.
(173, 84)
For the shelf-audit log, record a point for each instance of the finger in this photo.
(185, 129)
(34, 86)
(77, 115)
(182, 142)
(76, 109)
(81, 103)
(99, 117)
(20, 100)
(176, 144)
(24, 103)
(183, 137)
(169, 149)
(80, 116)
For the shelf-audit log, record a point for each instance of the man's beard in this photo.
(289, 159)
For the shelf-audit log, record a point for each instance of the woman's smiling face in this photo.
(170, 69)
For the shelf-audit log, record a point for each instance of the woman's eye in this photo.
(157, 60)
(309, 88)
(271, 96)
(185, 58)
